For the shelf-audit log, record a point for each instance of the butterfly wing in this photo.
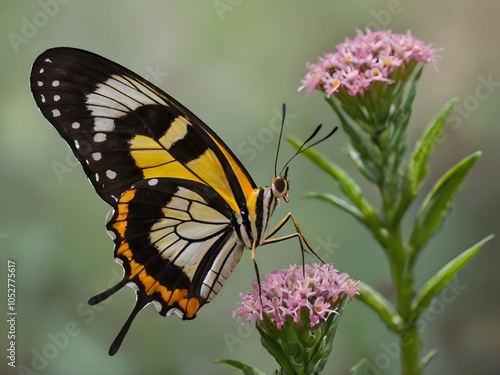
(177, 244)
(174, 185)
(124, 129)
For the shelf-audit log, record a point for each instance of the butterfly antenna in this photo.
(283, 115)
(303, 147)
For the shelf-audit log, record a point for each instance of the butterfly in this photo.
(183, 206)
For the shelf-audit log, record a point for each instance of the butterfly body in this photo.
(184, 207)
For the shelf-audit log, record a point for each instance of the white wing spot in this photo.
(99, 137)
(96, 156)
(42, 98)
(77, 145)
(75, 125)
(110, 215)
(111, 234)
(56, 113)
(175, 311)
(41, 70)
(153, 182)
(55, 83)
(48, 60)
(40, 83)
(157, 305)
(57, 98)
(132, 285)
(104, 124)
(110, 174)
(97, 177)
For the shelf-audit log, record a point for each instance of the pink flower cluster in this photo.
(369, 57)
(286, 293)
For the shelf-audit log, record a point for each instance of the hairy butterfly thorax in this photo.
(183, 206)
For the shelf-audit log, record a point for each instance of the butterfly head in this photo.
(279, 186)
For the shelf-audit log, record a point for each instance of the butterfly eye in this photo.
(280, 188)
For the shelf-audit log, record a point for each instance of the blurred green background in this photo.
(233, 63)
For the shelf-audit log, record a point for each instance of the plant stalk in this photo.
(402, 275)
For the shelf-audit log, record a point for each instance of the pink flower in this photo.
(288, 294)
(358, 62)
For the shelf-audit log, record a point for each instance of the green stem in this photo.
(410, 351)
(402, 275)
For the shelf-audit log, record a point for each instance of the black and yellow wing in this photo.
(123, 128)
(176, 242)
(174, 185)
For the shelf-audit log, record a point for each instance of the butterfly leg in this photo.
(257, 272)
(304, 244)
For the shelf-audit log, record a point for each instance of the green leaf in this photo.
(417, 165)
(381, 306)
(427, 358)
(403, 113)
(336, 201)
(345, 182)
(424, 297)
(329, 328)
(349, 187)
(247, 370)
(438, 203)
(396, 146)
(360, 368)
(359, 140)
(274, 348)
(367, 167)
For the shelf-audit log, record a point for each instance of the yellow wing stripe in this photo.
(143, 142)
(243, 180)
(154, 161)
(252, 205)
(208, 167)
(176, 131)
(153, 158)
